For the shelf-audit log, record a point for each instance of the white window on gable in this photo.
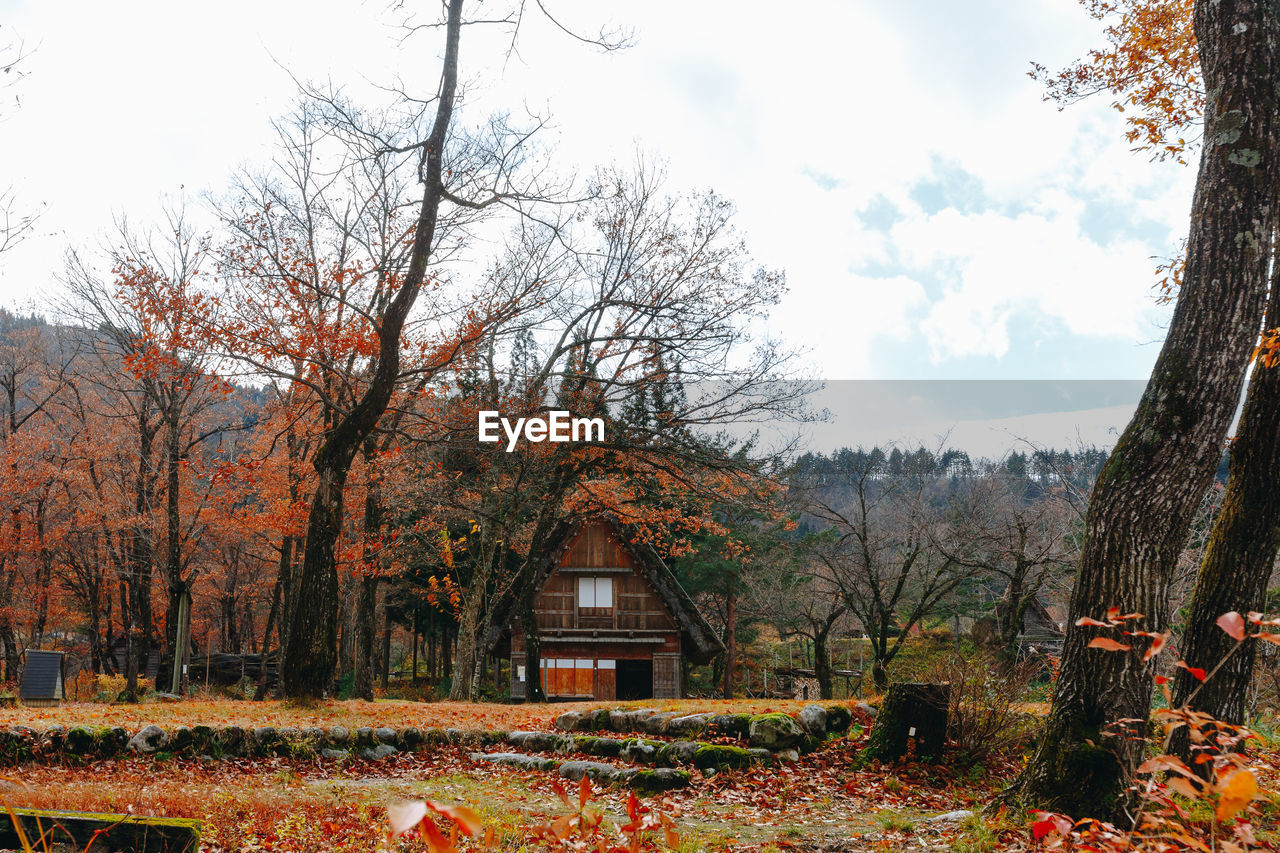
(595, 592)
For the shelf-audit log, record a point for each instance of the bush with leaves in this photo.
(985, 719)
(1221, 777)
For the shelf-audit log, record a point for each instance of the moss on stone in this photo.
(730, 725)
(657, 781)
(717, 757)
(82, 741)
(603, 747)
(809, 744)
(839, 718)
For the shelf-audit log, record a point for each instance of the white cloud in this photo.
(1034, 269)
(802, 119)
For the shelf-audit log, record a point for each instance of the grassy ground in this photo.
(351, 713)
(817, 803)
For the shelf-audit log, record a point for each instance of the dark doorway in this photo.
(635, 679)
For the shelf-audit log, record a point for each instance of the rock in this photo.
(599, 719)
(150, 739)
(202, 739)
(232, 741)
(640, 751)
(657, 724)
(629, 721)
(364, 736)
(380, 751)
(410, 738)
(516, 759)
(867, 708)
(787, 755)
(813, 719)
(716, 757)
(774, 731)
(597, 771)
(809, 744)
(335, 754)
(385, 734)
(839, 718)
(16, 744)
(167, 697)
(290, 734)
(313, 735)
(536, 741)
(568, 721)
(760, 756)
(116, 741)
(729, 725)
(181, 740)
(951, 817)
(52, 739)
(81, 741)
(678, 752)
(266, 738)
(339, 736)
(654, 781)
(687, 726)
(601, 747)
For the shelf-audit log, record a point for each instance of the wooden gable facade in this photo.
(613, 623)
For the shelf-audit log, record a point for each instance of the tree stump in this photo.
(912, 723)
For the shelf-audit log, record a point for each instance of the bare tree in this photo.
(1020, 541)
(877, 535)
(15, 224)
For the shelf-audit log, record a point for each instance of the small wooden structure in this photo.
(802, 684)
(43, 678)
(613, 622)
(44, 829)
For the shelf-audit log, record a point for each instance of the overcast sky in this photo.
(935, 218)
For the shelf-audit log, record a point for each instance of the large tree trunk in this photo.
(140, 560)
(366, 607)
(1240, 554)
(310, 655)
(175, 585)
(1147, 493)
(366, 616)
(730, 643)
(822, 662)
(473, 620)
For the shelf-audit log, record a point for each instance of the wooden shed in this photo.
(613, 622)
(43, 681)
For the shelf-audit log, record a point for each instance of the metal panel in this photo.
(519, 678)
(666, 676)
(41, 676)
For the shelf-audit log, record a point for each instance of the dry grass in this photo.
(351, 713)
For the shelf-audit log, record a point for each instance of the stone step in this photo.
(635, 778)
(766, 731)
(705, 756)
